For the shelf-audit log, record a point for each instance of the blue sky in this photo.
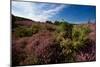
(51, 11)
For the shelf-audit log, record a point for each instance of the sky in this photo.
(53, 11)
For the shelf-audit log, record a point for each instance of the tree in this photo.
(49, 22)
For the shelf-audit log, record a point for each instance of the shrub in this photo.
(71, 38)
(62, 27)
(65, 27)
(35, 28)
(66, 46)
(23, 31)
(49, 27)
(56, 22)
(87, 53)
(79, 35)
(50, 22)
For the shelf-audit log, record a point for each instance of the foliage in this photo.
(71, 38)
(50, 22)
(35, 28)
(63, 37)
(65, 27)
(23, 31)
(52, 43)
(79, 35)
(56, 22)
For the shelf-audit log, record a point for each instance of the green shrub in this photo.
(66, 46)
(62, 27)
(71, 38)
(79, 35)
(35, 28)
(49, 27)
(49, 22)
(56, 22)
(23, 31)
(65, 27)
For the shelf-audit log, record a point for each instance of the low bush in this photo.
(35, 28)
(79, 35)
(23, 31)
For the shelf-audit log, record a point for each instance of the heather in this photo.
(51, 42)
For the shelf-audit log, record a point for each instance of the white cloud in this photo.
(36, 11)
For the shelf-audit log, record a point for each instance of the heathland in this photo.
(36, 42)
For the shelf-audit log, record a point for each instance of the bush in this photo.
(49, 27)
(71, 38)
(65, 27)
(35, 28)
(56, 22)
(66, 46)
(79, 35)
(23, 31)
(49, 22)
(64, 39)
(62, 27)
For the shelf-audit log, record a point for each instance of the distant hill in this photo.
(21, 21)
(16, 18)
(27, 22)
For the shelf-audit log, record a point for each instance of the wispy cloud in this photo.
(36, 11)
